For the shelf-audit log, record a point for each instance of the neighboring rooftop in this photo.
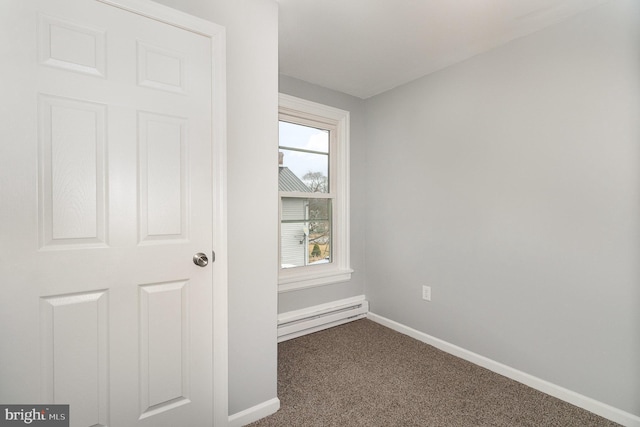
(288, 181)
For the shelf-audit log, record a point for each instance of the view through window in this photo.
(305, 195)
(313, 194)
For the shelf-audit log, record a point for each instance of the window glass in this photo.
(305, 228)
(304, 150)
(305, 232)
(305, 137)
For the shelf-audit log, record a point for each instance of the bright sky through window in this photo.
(314, 142)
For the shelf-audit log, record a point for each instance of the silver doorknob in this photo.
(200, 259)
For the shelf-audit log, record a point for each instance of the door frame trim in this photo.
(217, 36)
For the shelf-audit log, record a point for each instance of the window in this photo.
(313, 191)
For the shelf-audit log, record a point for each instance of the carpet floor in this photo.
(365, 374)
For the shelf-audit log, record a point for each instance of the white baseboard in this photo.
(614, 414)
(254, 413)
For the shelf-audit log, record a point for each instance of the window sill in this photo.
(296, 281)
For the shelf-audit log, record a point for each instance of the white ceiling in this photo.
(365, 47)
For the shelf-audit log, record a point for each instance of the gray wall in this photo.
(510, 183)
(296, 300)
(252, 126)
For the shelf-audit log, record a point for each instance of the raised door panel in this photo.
(164, 344)
(72, 46)
(163, 180)
(72, 173)
(161, 68)
(74, 343)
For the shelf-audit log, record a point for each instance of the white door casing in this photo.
(112, 177)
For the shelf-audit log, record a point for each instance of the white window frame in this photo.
(297, 110)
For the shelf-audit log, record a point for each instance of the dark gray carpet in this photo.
(364, 374)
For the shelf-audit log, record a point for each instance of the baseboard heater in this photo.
(294, 324)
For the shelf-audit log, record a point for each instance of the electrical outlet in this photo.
(426, 293)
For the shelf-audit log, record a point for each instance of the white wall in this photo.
(295, 300)
(510, 183)
(252, 127)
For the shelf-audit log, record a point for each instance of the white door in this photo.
(106, 194)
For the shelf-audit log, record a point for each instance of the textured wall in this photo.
(510, 184)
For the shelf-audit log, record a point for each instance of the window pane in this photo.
(319, 209)
(305, 232)
(304, 137)
(304, 158)
(319, 246)
(309, 170)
